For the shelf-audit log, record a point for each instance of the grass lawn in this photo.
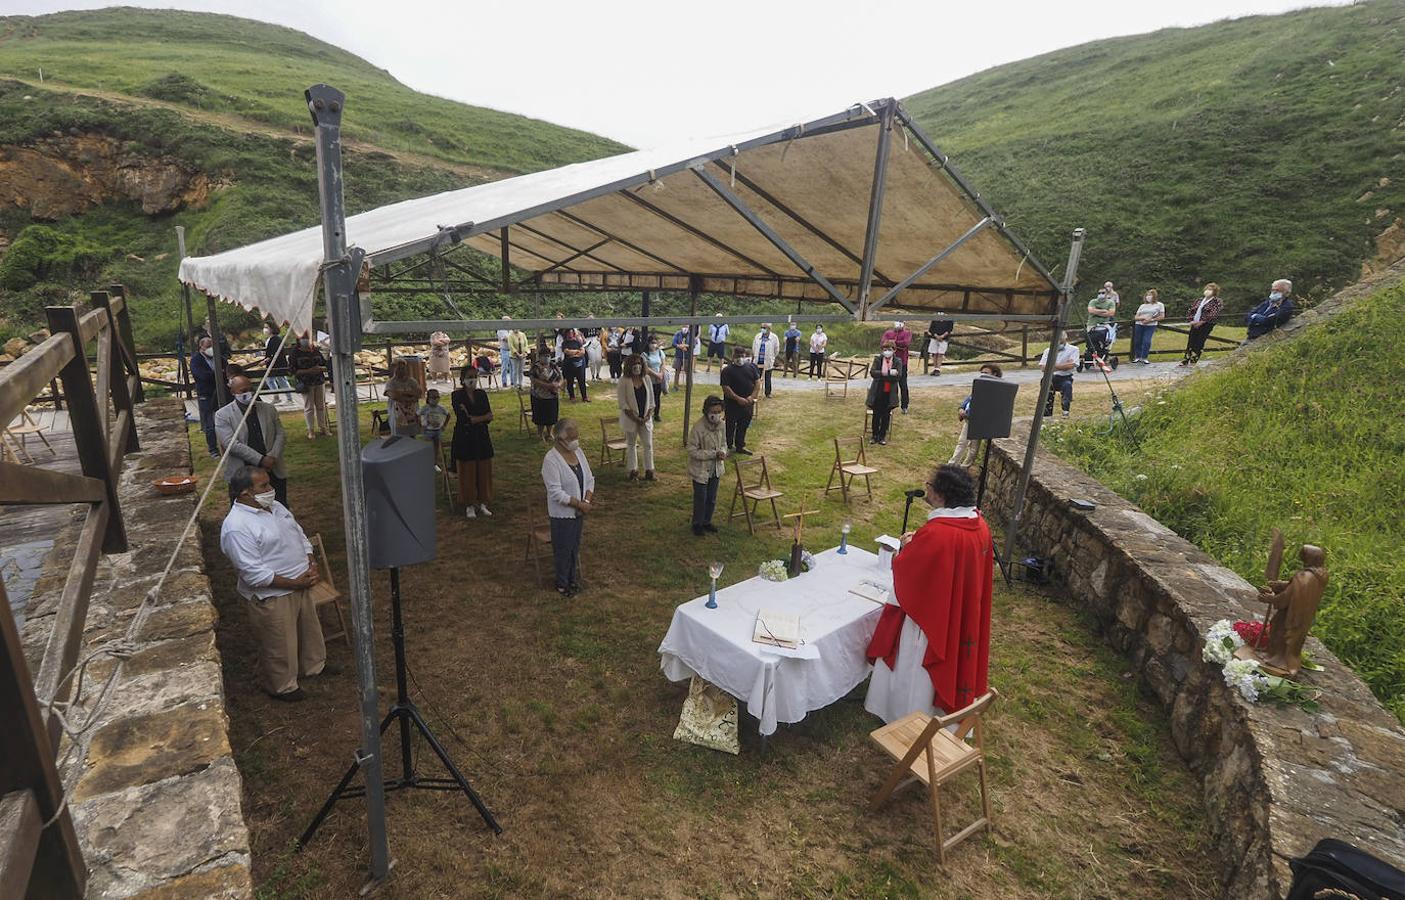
(557, 711)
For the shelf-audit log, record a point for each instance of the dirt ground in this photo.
(557, 712)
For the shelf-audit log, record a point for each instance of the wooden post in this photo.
(129, 344)
(1024, 345)
(87, 423)
(221, 382)
(117, 374)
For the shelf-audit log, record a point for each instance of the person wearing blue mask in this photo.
(1273, 312)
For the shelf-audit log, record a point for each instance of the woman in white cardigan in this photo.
(570, 490)
(635, 396)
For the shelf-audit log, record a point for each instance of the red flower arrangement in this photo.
(1255, 634)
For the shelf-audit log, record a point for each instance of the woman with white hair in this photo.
(570, 492)
(1273, 312)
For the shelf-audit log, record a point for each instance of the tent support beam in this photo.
(504, 249)
(875, 210)
(562, 264)
(797, 218)
(931, 263)
(769, 233)
(697, 232)
(425, 326)
(574, 249)
(693, 282)
(339, 285)
(1012, 528)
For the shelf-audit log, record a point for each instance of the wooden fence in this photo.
(36, 860)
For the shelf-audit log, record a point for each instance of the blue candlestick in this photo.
(843, 543)
(712, 596)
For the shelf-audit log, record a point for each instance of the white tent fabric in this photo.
(808, 179)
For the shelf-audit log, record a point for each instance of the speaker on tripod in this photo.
(400, 507)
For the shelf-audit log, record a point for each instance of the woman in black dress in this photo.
(546, 393)
(473, 446)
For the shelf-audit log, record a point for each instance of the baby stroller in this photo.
(1098, 351)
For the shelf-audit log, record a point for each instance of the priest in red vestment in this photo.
(932, 646)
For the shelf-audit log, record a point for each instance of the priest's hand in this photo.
(906, 538)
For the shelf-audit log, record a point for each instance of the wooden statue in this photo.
(1293, 605)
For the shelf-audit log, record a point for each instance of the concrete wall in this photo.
(1275, 779)
(155, 793)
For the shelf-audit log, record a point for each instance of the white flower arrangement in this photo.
(772, 570)
(1248, 677)
(807, 561)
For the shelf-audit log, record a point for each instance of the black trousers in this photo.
(566, 549)
(902, 386)
(616, 363)
(768, 381)
(658, 393)
(280, 490)
(882, 418)
(816, 364)
(704, 501)
(717, 349)
(574, 375)
(1062, 384)
(738, 416)
(1195, 344)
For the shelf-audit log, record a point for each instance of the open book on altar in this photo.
(778, 629)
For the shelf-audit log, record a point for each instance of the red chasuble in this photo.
(942, 579)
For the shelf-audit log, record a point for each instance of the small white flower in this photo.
(1220, 642)
(1141, 478)
(1245, 676)
(772, 570)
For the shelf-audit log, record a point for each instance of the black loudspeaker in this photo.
(992, 409)
(400, 501)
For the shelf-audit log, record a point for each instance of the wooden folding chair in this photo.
(849, 469)
(451, 472)
(538, 539)
(325, 593)
(868, 424)
(524, 413)
(752, 495)
(26, 426)
(927, 752)
(609, 446)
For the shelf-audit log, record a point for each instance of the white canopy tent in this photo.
(857, 209)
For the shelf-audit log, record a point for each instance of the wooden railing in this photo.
(36, 860)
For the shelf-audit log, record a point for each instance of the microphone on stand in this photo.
(911, 496)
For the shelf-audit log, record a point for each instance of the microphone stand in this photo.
(907, 509)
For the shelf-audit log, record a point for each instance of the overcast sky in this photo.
(648, 72)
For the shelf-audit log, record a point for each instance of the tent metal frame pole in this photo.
(770, 234)
(696, 232)
(340, 273)
(188, 347)
(690, 360)
(503, 248)
(221, 381)
(931, 264)
(875, 209)
(425, 326)
(1012, 528)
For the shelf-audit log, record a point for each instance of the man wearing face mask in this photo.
(202, 369)
(255, 441)
(309, 367)
(741, 386)
(765, 348)
(1273, 312)
(275, 565)
(707, 458)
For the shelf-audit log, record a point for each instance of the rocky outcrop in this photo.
(1274, 779)
(66, 174)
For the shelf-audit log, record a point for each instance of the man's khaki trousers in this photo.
(290, 640)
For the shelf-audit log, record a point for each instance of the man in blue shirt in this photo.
(792, 349)
(682, 351)
(1273, 312)
(717, 339)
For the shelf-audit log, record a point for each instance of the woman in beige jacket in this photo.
(707, 455)
(636, 400)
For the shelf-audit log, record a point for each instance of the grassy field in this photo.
(1237, 152)
(561, 718)
(1305, 436)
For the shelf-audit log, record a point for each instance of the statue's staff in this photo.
(1271, 573)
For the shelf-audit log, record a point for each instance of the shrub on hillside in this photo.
(41, 252)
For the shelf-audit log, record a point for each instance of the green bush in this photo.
(41, 252)
(1305, 436)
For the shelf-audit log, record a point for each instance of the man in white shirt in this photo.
(1064, 365)
(765, 348)
(274, 561)
(504, 336)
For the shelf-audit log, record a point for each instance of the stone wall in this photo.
(155, 795)
(1275, 779)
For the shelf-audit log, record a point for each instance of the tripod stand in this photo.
(404, 712)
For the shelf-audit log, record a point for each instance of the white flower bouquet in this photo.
(1246, 675)
(772, 570)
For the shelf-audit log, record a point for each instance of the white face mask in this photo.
(209, 352)
(715, 418)
(572, 445)
(266, 499)
(887, 354)
(245, 398)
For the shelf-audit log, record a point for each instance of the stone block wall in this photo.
(155, 794)
(1275, 779)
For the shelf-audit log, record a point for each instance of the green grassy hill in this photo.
(221, 97)
(1306, 436)
(1236, 152)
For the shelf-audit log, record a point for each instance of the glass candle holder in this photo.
(715, 571)
(844, 537)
